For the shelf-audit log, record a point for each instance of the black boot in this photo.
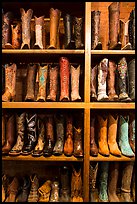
(131, 79)
(131, 29)
(78, 33)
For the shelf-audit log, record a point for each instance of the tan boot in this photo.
(102, 135)
(55, 15)
(44, 191)
(10, 82)
(112, 134)
(16, 35)
(68, 145)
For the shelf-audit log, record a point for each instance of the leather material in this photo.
(55, 15)
(102, 76)
(33, 194)
(44, 191)
(78, 33)
(93, 145)
(131, 79)
(3, 79)
(78, 144)
(26, 27)
(131, 28)
(53, 81)
(113, 181)
(54, 197)
(75, 77)
(12, 191)
(68, 145)
(112, 135)
(23, 196)
(69, 42)
(20, 128)
(126, 181)
(31, 135)
(10, 83)
(3, 129)
(111, 81)
(16, 35)
(64, 78)
(39, 28)
(103, 182)
(31, 79)
(93, 83)
(10, 134)
(123, 139)
(42, 78)
(102, 135)
(133, 192)
(132, 131)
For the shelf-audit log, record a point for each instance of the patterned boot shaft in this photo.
(78, 33)
(93, 83)
(33, 195)
(131, 28)
(131, 79)
(124, 37)
(54, 197)
(16, 35)
(68, 146)
(44, 191)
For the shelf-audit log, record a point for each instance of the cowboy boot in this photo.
(12, 191)
(58, 148)
(26, 27)
(44, 192)
(76, 185)
(123, 136)
(102, 134)
(131, 79)
(33, 195)
(38, 151)
(95, 31)
(3, 79)
(93, 83)
(131, 29)
(23, 196)
(39, 32)
(69, 42)
(31, 79)
(111, 81)
(133, 184)
(54, 197)
(68, 145)
(3, 129)
(32, 134)
(65, 186)
(75, 74)
(7, 19)
(93, 145)
(78, 149)
(103, 182)
(5, 184)
(64, 78)
(122, 79)
(123, 35)
(55, 15)
(53, 83)
(112, 181)
(126, 181)
(10, 83)
(20, 128)
(112, 134)
(10, 134)
(42, 78)
(102, 75)
(78, 33)
(114, 13)
(93, 169)
(132, 131)
(49, 141)
(16, 35)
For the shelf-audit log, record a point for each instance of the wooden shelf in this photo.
(113, 52)
(112, 105)
(111, 158)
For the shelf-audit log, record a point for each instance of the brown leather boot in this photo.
(53, 83)
(111, 81)
(3, 79)
(131, 79)
(13, 189)
(54, 196)
(114, 13)
(3, 129)
(25, 188)
(102, 134)
(133, 184)
(93, 145)
(78, 33)
(93, 83)
(64, 78)
(127, 170)
(16, 35)
(112, 134)
(26, 27)
(78, 149)
(31, 79)
(68, 145)
(39, 32)
(10, 134)
(33, 195)
(55, 15)
(44, 192)
(20, 128)
(132, 131)
(75, 75)
(10, 83)
(112, 181)
(42, 78)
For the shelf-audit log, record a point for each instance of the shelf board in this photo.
(111, 158)
(114, 52)
(41, 158)
(111, 105)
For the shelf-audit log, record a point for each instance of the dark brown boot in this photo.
(16, 35)
(13, 190)
(131, 28)
(114, 13)
(64, 78)
(31, 79)
(132, 131)
(3, 129)
(93, 83)
(23, 196)
(78, 33)
(68, 145)
(26, 27)
(95, 30)
(93, 145)
(10, 134)
(131, 79)
(112, 181)
(133, 184)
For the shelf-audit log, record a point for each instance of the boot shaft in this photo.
(75, 75)
(131, 29)
(93, 170)
(112, 67)
(39, 32)
(131, 79)
(16, 35)
(123, 34)
(78, 32)
(54, 197)
(93, 83)
(49, 127)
